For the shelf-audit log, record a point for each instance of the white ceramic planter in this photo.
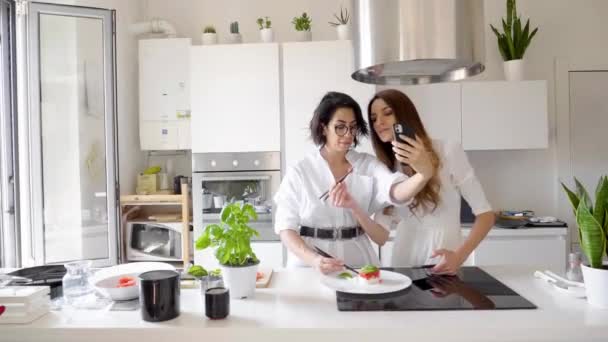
(235, 38)
(343, 32)
(267, 35)
(209, 38)
(240, 280)
(514, 70)
(596, 286)
(303, 36)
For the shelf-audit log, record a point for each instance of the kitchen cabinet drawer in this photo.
(504, 115)
(235, 98)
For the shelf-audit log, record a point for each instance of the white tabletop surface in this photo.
(303, 309)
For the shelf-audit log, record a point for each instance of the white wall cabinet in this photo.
(235, 98)
(439, 106)
(164, 94)
(310, 70)
(504, 115)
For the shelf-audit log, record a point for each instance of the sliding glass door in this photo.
(9, 237)
(72, 160)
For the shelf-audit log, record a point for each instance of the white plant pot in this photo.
(303, 36)
(240, 280)
(343, 32)
(209, 38)
(596, 286)
(267, 35)
(514, 70)
(235, 38)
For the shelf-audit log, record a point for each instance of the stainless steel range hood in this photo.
(417, 41)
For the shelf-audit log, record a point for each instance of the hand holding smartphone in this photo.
(399, 129)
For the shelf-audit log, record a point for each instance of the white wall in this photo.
(190, 16)
(131, 158)
(568, 29)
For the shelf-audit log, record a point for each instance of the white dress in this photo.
(298, 204)
(418, 235)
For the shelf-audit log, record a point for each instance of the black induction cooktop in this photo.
(471, 289)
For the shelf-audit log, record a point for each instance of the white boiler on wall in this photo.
(164, 94)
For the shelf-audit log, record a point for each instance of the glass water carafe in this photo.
(77, 289)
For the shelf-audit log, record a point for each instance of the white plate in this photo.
(391, 282)
(133, 269)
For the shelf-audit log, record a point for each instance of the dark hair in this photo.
(405, 112)
(330, 103)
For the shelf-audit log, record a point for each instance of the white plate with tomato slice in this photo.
(387, 282)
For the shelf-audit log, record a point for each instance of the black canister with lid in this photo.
(159, 295)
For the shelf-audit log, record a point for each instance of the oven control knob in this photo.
(256, 162)
(235, 163)
(213, 163)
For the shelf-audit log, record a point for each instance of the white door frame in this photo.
(563, 68)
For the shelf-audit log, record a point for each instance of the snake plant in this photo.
(592, 220)
(514, 41)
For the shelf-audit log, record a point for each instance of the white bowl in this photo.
(109, 286)
(113, 273)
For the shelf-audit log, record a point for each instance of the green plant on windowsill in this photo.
(592, 220)
(264, 23)
(302, 23)
(232, 237)
(514, 40)
(342, 19)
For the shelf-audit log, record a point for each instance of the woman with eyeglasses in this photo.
(428, 230)
(339, 222)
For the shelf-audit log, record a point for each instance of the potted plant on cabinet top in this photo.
(209, 35)
(341, 24)
(302, 25)
(266, 32)
(232, 240)
(513, 42)
(592, 221)
(235, 36)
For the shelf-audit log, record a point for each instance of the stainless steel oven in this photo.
(222, 178)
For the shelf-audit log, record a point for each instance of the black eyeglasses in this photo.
(341, 130)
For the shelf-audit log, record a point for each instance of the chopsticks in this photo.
(322, 253)
(326, 193)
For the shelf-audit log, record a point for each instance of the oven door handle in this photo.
(235, 178)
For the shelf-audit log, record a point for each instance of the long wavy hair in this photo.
(405, 113)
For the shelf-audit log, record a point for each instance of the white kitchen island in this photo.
(296, 307)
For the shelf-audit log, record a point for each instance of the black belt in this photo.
(331, 233)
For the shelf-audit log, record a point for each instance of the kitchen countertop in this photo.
(304, 310)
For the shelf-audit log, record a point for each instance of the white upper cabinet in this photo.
(310, 70)
(439, 108)
(504, 115)
(164, 93)
(235, 98)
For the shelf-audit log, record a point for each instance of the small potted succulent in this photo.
(341, 24)
(302, 26)
(592, 222)
(209, 35)
(513, 42)
(231, 239)
(266, 33)
(235, 36)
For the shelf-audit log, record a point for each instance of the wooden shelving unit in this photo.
(182, 200)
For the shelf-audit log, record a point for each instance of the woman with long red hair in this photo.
(428, 230)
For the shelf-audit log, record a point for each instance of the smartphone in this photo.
(399, 129)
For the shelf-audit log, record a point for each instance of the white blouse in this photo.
(419, 234)
(298, 204)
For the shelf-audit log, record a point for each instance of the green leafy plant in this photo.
(264, 23)
(197, 271)
(342, 19)
(234, 27)
(232, 237)
(209, 29)
(302, 23)
(514, 41)
(592, 220)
